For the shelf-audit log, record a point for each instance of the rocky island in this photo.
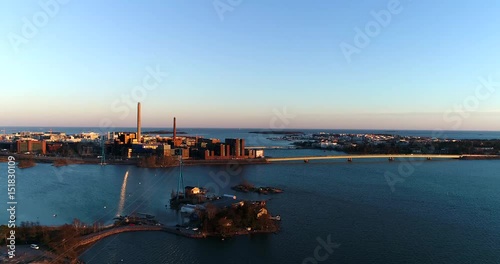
(234, 218)
(246, 187)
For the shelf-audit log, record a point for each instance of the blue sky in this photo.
(244, 66)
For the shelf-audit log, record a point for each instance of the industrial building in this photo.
(187, 147)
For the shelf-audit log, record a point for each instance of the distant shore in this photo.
(164, 132)
(277, 132)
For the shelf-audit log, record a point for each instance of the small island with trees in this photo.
(221, 216)
(242, 217)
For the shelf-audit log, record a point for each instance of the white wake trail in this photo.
(121, 204)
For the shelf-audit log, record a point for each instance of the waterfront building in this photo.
(31, 146)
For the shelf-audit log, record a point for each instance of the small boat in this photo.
(147, 216)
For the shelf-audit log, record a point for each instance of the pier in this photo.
(92, 238)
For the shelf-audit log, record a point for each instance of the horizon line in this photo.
(267, 129)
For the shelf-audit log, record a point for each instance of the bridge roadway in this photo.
(367, 156)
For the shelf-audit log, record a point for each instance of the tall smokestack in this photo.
(139, 122)
(175, 133)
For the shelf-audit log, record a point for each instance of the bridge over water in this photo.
(367, 156)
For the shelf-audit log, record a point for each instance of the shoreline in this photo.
(64, 161)
(178, 231)
(85, 242)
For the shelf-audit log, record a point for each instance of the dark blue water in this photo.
(443, 212)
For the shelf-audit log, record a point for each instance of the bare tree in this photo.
(211, 211)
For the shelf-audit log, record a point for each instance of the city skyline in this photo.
(248, 65)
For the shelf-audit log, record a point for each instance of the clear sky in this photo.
(242, 63)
